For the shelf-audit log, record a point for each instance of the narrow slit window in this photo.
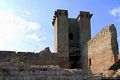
(71, 36)
(90, 62)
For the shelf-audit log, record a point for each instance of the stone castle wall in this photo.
(27, 57)
(102, 50)
(98, 54)
(45, 57)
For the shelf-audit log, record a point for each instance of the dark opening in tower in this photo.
(70, 36)
(89, 61)
(74, 62)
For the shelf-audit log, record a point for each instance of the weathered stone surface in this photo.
(52, 73)
(102, 50)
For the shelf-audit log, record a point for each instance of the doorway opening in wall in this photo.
(74, 62)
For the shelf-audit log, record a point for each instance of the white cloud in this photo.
(36, 37)
(43, 38)
(34, 25)
(115, 12)
(10, 27)
(13, 26)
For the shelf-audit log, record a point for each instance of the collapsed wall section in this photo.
(102, 50)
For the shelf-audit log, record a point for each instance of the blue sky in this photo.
(25, 25)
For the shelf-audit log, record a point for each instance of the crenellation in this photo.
(59, 13)
(84, 13)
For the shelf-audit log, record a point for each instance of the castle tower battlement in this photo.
(58, 13)
(70, 34)
(84, 14)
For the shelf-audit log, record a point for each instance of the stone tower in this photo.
(85, 28)
(70, 35)
(61, 32)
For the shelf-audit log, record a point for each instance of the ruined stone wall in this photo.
(45, 57)
(101, 51)
(10, 71)
(27, 57)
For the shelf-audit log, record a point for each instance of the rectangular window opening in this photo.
(89, 61)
